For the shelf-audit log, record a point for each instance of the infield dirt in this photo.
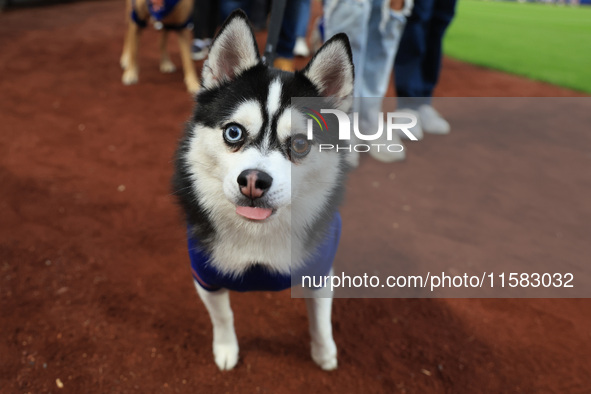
(95, 287)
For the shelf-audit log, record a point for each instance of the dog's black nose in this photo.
(253, 183)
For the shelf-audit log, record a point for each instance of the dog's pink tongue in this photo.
(254, 213)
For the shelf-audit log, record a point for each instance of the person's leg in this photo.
(227, 6)
(287, 36)
(408, 67)
(352, 18)
(431, 121)
(205, 18)
(259, 10)
(303, 18)
(443, 13)
(384, 32)
(383, 37)
(205, 21)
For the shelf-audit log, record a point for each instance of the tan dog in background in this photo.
(173, 15)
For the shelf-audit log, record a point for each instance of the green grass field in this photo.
(540, 41)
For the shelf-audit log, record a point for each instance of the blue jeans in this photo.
(303, 18)
(289, 26)
(374, 31)
(227, 6)
(418, 62)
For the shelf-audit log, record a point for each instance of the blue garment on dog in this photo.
(259, 277)
(160, 14)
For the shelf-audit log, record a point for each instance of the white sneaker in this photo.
(385, 155)
(200, 48)
(301, 48)
(431, 121)
(416, 130)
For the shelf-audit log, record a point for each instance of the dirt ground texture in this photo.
(95, 287)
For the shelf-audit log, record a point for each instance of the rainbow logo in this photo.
(315, 117)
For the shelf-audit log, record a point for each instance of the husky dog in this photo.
(243, 164)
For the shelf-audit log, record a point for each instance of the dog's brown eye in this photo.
(300, 146)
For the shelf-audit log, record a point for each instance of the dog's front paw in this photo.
(130, 77)
(192, 85)
(166, 66)
(124, 61)
(226, 355)
(325, 355)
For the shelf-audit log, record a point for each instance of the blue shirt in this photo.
(259, 277)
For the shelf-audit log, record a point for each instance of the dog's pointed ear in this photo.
(331, 69)
(233, 51)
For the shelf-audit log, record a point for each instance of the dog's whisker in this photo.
(177, 191)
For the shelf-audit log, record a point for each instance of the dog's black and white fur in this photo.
(238, 89)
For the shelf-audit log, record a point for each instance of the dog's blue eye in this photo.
(233, 134)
